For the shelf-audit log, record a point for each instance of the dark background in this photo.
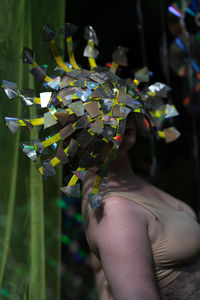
(116, 24)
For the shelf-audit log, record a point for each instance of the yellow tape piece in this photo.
(73, 180)
(91, 60)
(137, 110)
(57, 57)
(37, 100)
(105, 140)
(35, 64)
(161, 134)
(92, 63)
(34, 122)
(114, 67)
(48, 79)
(136, 81)
(150, 93)
(70, 52)
(55, 161)
(95, 189)
(51, 140)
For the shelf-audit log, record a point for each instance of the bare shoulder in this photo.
(116, 214)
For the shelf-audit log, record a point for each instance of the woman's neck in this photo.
(120, 172)
(121, 177)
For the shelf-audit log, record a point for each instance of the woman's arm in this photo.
(100, 279)
(119, 231)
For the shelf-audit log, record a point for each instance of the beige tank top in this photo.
(179, 240)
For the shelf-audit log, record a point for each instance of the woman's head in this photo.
(95, 110)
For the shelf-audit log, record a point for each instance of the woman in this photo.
(145, 243)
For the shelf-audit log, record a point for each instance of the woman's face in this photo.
(129, 137)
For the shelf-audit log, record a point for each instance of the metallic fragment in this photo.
(62, 116)
(122, 126)
(113, 77)
(45, 98)
(48, 169)
(90, 35)
(28, 56)
(61, 155)
(79, 83)
(97, 126)
(28, 96)
(110, 88)
(32, 155)
(70, 29)
(142, 75)
(120, 111)
(12, 124)
(93, 109)
(83, 74)
(26, 148)
(72, 191)
(127, 100)
(54, 84)
(119, 57)
(77, 108)
(121, 84)
(171, 134)
(30, 152)
(82, 122)
(38, 73)
(165, 111)
(90, 51)
(74, 73)
(10, 89)
(95, 200)
(91, 85)
(49, 120)
(107, 120)
(48, 34)
(159, 89)
(80, 174)
(96, 76)
(117, 140)
(38, 145)
(54, 101)
(170, 111)
(64, 82)
(66, 131)
(67, 94)
(108, 132)
(106, 105)
(83, 94)
(73, 148)
(84, 138)
(99, 93)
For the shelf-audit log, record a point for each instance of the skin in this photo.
(120, 233)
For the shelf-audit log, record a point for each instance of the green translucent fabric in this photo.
(30, 219)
